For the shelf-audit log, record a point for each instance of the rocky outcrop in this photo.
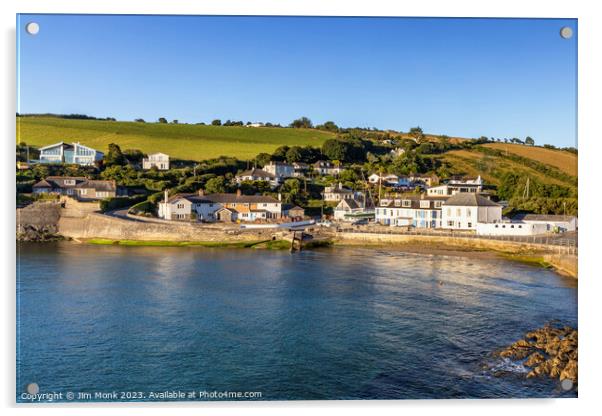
(549, 351)
(39, 222)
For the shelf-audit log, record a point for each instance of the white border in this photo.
(590, 151)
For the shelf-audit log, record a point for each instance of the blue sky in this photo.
(460, 77)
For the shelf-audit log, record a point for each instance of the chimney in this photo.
(279, 196)
(238, 192)
(166, 195)
(201, 192)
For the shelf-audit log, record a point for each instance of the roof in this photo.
(59, 182)
(540, 217)
(351, 203)
(225, 199)
(469, 199)
(260, 173)
(414, 201)
(291, 207)
(42, 184)
(99, 185)
(50, 146)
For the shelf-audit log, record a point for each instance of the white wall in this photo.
(507, 228)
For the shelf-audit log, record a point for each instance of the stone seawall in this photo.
(101, 226)
(459, 242)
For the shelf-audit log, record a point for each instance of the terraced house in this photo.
(412, 210)
(220, 207)
(77, 187)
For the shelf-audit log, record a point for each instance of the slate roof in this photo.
(260, 173)
(540, 217)
(99, 185)
(225, 199)
(469, 199)
(59, 182)
(414, 202)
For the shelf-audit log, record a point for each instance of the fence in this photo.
(561, 244)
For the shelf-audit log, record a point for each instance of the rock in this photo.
(535, 359)
(551, 351)
(569, 372)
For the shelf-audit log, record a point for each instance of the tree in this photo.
(263, 159)
(417, 134)
(140, 120)
(215, 185)
(175, 122)
(216, 122)
(294, 154)
(133, 155)
(529, 141)
(302, 123)
(280, 153)
(114, 156)
(328, 126)
(162, 120)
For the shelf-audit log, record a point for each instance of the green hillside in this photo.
(181, 141)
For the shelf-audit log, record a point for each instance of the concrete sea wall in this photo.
(101, 226)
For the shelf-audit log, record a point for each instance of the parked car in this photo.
(363, 221)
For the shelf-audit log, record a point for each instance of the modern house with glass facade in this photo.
(70, 153)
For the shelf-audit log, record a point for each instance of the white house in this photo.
(338, 192)
(280, 169)
(464, 210)
(220, 207)
(327, 168)
(389, 180)
(350, 210)
(74, 153)
(257, 175)
(411, 210)
(455, 186)
(517, 228)
(300, 169)
(160, 160)
(553, 223)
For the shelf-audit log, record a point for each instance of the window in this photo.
(520, 226)
(425, 204)
(512, 226)
(83, 191)
(69, 182)
(437, 204)
(180, 206)
(450, 223)
(406, 203)
(496, 226)
(470, 225)
(449, 212)
(468, 212)
(397, 202)
(458, 212)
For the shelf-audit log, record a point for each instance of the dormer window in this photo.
(69, 182)
(425, 204)
(406, 203)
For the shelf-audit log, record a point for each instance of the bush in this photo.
(109, 204)
(142, 208)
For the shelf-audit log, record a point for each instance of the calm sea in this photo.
(339, 323)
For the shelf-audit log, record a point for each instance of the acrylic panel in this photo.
(243, 208)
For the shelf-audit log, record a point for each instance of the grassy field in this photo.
(473, 163)
(565, 161)
(180, 141)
